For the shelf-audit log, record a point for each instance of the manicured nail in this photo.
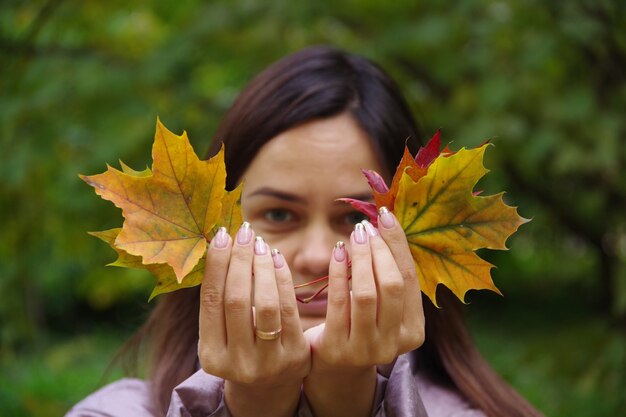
(340, 251)
(221, 238)
(244, 234)
(387, 219)
(260, 247)
(360, 236)
(278, 258)
(369, 227)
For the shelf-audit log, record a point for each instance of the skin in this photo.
(331, 349)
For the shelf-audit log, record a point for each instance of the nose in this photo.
(314, 251)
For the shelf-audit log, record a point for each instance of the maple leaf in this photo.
(230, 218)
(444, 220)
(171, 211)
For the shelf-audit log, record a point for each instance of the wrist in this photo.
(320, 366)
(262, 399)
(345, 391)
(340, 375)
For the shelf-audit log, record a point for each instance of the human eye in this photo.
(278, 215)
(354, 217)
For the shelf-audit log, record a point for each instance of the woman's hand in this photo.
(263, 373)
(381, 319)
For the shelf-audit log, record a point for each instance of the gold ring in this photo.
(268, 335)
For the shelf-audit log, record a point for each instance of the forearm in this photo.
(245, 400)
(341, 393)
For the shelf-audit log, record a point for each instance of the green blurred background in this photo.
(82, 83)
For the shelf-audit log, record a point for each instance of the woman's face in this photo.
(290, 192)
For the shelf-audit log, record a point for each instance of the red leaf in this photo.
(369, 209)
(426, 155)
(375, 181)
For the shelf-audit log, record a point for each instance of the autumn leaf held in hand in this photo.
(171, 211)
(444, 220)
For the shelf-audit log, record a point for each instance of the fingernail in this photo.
(244, 234)
(369, 227)
(359, 233)
(386, 217)
(221, 238)
(278, 258)
(340, 251)
(260, 247)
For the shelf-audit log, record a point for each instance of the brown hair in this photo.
(315, 83)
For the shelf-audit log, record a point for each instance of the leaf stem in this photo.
(315, 281)
(311, 298)
(318, 292)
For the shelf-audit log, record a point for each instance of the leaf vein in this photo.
(432, 200)
(178, 183)
(132, 202)
(441, 255)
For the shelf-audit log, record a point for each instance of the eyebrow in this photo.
(294, 198)
(281, 195)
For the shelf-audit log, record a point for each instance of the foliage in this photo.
(545, 81)
(170, 211)
(445, 224)
(444, 219)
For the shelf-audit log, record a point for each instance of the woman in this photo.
(298, 135)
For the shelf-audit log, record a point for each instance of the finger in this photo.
(338, 311)
(393, 234)
(289, 317)
(237, 303)
(266, 301)
(390, 285)
(363, 305)
(212, 321)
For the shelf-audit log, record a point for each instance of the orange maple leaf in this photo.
(172, 211)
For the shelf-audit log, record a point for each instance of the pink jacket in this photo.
(399, 393)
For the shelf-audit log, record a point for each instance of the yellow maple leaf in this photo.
(445, 222)
(172, 210)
